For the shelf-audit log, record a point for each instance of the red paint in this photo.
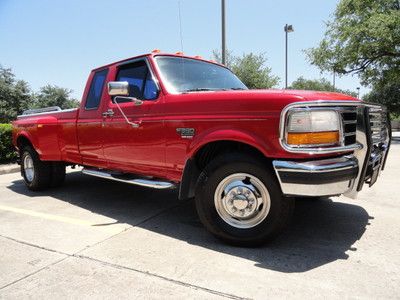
(155, 148)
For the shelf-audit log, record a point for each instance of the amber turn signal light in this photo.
(313, 138)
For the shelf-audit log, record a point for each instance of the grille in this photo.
(378, 124)
(349, 118)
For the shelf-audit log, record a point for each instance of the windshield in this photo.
(182, 75)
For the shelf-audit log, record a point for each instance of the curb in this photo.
(9, 168)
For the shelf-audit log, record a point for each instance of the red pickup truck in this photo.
(172, 121)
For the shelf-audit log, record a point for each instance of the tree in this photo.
(52, 95)
(229, 58)
(387, 95)
(251, 69)
(15, 95)
(318, 85)
(363, 38)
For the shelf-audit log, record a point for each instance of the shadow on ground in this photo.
(321, 232)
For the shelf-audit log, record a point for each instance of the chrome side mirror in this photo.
(118, 88)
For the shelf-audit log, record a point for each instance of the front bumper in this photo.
(323, 177)
(341, 175)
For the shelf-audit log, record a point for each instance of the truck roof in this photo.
(158, 53)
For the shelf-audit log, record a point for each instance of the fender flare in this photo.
(27, 136)
(191, 172)
(233, 135)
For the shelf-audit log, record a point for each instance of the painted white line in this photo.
(47, 216)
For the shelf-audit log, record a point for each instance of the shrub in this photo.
(7, 151)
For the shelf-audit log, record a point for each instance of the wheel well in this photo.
(210, 151)
(204, 156)
(23, 141)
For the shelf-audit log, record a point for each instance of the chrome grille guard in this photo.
(374, 134)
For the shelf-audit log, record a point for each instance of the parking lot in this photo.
(93, 238)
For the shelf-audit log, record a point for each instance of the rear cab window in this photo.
(96, 89)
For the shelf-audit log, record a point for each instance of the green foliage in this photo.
(51, 95)
(16, 96)
(7, 152)
(251, 69)
(362, 38)
(388, 95)
(318, 85)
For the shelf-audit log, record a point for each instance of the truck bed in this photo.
(54, 131)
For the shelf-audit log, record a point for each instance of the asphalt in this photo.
(94, 238)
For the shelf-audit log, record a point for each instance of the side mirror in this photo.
(118, 88)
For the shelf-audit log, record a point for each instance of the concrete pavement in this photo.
(93, 238)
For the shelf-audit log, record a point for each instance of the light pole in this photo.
(223, 50)
(287, 28)
(358, 92)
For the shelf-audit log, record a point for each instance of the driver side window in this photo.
(141, 84)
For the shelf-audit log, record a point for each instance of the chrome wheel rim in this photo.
(28, 168)
(242, 200)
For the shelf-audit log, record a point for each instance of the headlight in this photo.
(311, 128)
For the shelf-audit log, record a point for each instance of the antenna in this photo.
(180, 24)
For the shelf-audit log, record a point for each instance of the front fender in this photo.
(235, 135)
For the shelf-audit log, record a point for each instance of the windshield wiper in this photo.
(212, 89)
(201, 90)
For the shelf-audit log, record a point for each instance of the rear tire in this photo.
(36, 173)
(239, 200)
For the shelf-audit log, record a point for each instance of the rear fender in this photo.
(42, 133)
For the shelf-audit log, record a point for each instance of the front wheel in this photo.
(239, 200)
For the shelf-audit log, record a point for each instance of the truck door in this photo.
(137, 149)
(89, 123)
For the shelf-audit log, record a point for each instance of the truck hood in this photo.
(248, 101)
(295, 95)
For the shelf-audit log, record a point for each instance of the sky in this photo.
(59, 42)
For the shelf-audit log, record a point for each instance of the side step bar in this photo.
(155, 184)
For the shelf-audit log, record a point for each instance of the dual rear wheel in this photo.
(38, 174)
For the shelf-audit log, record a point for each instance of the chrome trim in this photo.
(360, 154)
(242, 200)
(47, 112)
(318, 104)
(118, 88)
(136, 102)
(155, 184)
(317, 166)
(108, 113)
(41, 110)
(320, 190)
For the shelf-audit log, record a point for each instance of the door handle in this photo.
(108, 113)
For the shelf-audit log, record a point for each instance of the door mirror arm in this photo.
(137, 102)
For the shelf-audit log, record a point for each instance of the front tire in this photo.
(239, 201)
(36, 173)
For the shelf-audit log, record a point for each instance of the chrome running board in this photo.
(155, 184)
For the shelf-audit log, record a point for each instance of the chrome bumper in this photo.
(323, 177)
(342, 175)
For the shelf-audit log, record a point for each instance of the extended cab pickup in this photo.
(165, 121)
